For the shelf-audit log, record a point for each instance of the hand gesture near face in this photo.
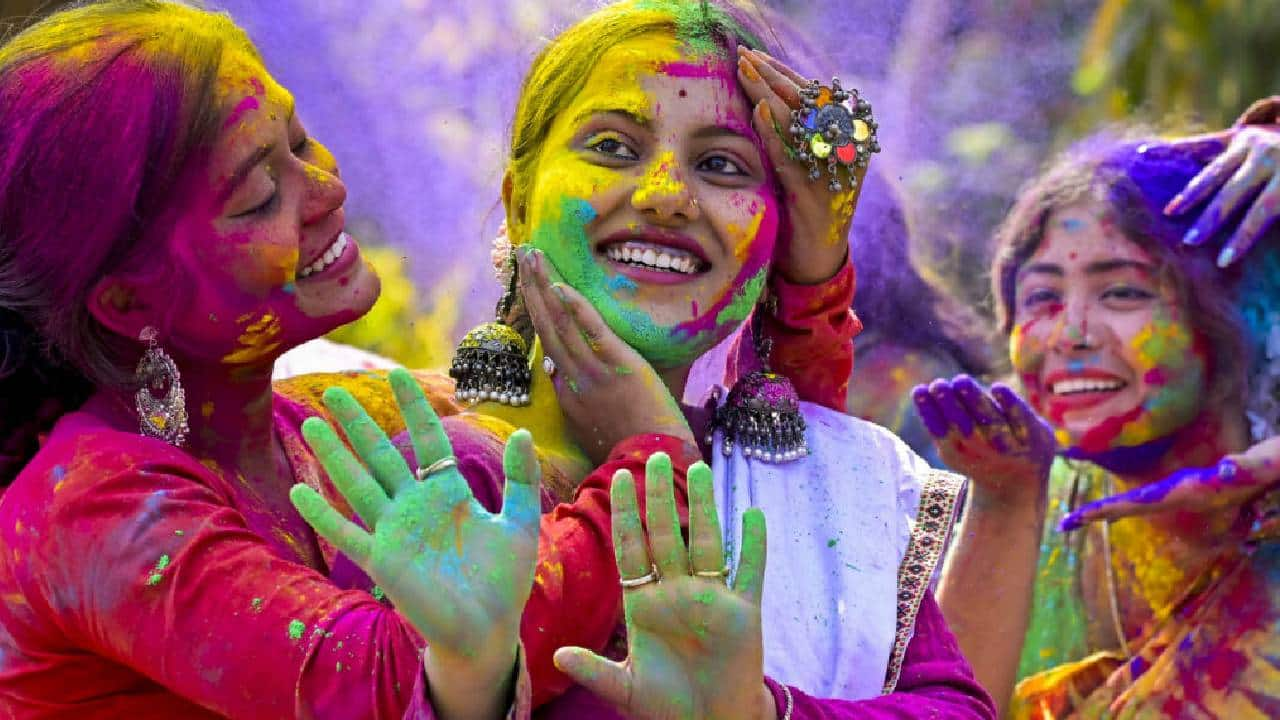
(607, 391)
(694, 642)
(994, 438)
(457, 573)
(819, 219)
(1245, 178)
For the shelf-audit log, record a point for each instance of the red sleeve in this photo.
(151, 567)
(576, 599)
(936, 682)
(812, 328)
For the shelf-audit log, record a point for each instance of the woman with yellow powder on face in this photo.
(650, 196)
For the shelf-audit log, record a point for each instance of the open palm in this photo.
(694, 643)
(458, 573)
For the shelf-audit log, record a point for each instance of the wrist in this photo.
(478, 673)
(813, 268)
(767, 705)
(1014, 497)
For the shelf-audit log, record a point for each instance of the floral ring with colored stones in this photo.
(833, 130)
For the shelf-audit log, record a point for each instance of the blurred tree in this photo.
(1176, 63)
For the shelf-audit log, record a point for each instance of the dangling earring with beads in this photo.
(159, 399)
(762, 412)
(492, 361)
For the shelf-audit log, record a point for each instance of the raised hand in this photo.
(994, 438)
(459, 574)
(1246, 175)
(694, 643)
(607, 391)
(1234, 481)
(819, 218)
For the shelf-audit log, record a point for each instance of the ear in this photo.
(121, 306)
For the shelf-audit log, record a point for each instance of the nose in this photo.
(325, 191)
(1072, 333)
(663, 195)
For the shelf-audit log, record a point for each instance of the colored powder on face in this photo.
(257, 342)
(296, 628)
(660, 180)
(378, 593)
(737, 310)
(621, 283)
(563, 237)
(244, 106)
(559, 218)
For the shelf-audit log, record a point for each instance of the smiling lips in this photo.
(328, 257)
(1079, 390)
(654, 255)
(650, 256)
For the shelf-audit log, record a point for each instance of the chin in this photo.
(336, 305)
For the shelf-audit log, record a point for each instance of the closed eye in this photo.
(261, 207)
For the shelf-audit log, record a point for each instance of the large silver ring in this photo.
(443, 463)
(651, 576)
(720, 574)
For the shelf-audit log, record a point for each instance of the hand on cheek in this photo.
(607, 391)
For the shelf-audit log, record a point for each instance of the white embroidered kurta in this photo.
(838, 524)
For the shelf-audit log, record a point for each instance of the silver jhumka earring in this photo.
(762, 412)
(159, 400)
(492, 361)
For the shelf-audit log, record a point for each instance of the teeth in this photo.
(1083, 385)
(668, 259)
(334, 251)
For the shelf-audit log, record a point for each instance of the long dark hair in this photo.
(102, 107)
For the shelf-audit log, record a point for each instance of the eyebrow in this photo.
(723, 129)
(1095, 268)
(626, 114)
(243, 169)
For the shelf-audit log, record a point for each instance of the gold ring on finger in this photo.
(721, 574)
(442, 464)
(649, 577)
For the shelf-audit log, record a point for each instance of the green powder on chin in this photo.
(563, 239)
(744, 300)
